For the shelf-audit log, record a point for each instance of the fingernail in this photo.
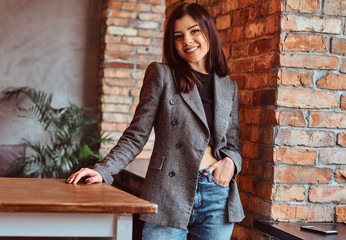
(87, 181)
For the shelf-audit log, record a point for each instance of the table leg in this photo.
(123, 227)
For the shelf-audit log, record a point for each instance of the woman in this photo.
(193, 106)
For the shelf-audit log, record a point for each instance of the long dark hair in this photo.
(215, 60)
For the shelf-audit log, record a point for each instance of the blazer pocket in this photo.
(156, 161)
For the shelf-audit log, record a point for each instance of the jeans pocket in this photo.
(219, 184)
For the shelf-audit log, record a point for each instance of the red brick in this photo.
(113, 99)
(342, 139)
(265, 190)
(116, 117)
(114, 4)
(247, 184)
(113, 56)
(303, 6)
(267, 61)
(113, 126)
(241, 66)
(260, 206)
(240, 50)
(295, 174)
(327, 119)
(312, 138)
(228, 6)
(115, 90)
(297, 78)
(340, 175)
(245, 97)
(340, 213)
(306, 98)
(332, 156)
(253, 115)
(297, 156)
(118, 82)
(264, 45)
(332, 81)
(343, 65)
(338, 46)
(246, 3)
(250, 150)
(257, 80)
(305, 43)
(335, 194)
(290, 193)
(268, 154)
(117, 73)
(240, 17)
(240, 232)
(112, 39)
(223, 22)
(291, 117)
(270, 117)
(235, 34)
(136, 40)
(334, 7)
(150, 17)
(118, 65)
(273, 24)
(275, 6)
(343, 102)
(122, 14)
(312, 24)
(253, 30)
(116, 22)
(306, 213)
(136, 6)
(309, 61)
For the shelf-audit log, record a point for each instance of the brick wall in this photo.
(132, 38)
(288, 59)
(309, 161)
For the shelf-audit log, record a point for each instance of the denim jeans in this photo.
(208, 219)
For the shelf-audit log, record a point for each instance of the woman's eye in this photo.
(195, 31)
(177, 37)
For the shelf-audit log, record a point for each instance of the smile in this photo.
(191, 50)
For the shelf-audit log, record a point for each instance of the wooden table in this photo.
(291, 230)
(50, 207)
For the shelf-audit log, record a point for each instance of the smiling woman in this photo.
(193, 107)
(190, 43)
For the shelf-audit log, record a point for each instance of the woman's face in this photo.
(191, 43)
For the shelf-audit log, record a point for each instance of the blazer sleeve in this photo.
(136, 135)
(232, 148)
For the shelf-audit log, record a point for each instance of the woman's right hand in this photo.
(92, 176)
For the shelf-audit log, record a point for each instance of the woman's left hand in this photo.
(223, 170)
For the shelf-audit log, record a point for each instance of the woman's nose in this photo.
(187, 39)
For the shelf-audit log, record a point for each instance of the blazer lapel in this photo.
(194, 101)
(222, 107)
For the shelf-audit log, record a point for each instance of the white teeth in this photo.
(191, 50)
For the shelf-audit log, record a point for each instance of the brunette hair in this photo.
(215, 60)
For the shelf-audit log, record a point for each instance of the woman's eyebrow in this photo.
(196, 25)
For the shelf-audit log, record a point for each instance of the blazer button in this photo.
(171, 174)
(172, 101)
(178, 145)
(175, 122)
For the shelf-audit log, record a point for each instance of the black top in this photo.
(207, 95)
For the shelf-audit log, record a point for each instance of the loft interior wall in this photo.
(48, 45)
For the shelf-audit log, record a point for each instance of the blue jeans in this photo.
(208, 219)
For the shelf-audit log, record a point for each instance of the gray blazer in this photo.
(181, 136)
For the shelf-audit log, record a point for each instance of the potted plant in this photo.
(72, 136)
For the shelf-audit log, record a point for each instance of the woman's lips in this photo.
(191, 50)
